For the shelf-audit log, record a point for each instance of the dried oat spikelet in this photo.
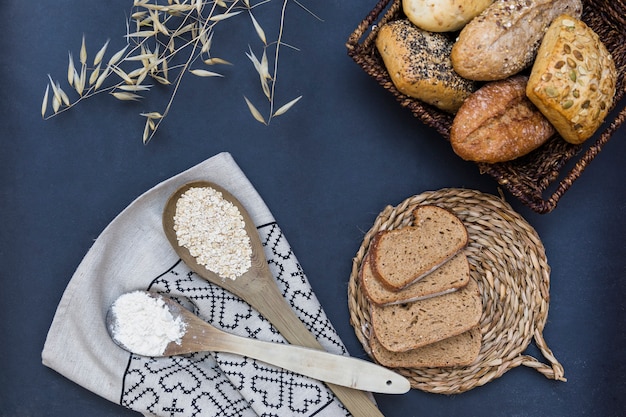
(157, 32)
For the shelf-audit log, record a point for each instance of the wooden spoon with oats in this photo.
(258, 288)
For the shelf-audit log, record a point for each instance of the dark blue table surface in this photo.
(325, 169)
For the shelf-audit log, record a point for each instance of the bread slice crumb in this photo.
(403, 256)
(402, 327)
(459, 350)
(451, 276)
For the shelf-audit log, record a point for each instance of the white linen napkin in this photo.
(132, 253)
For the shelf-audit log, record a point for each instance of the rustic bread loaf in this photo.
(573, 79)
(460, 350)
(402, 327)
(402, 256)
(443, 15)
(504, 38)
(499, 123)
(419, 65)
(451, 276)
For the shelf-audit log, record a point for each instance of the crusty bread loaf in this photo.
(443, 15)
(499, 123)
(505, 37)
(460, 350)
(402, 256)
(573, 79)
(451, 276)
(402, 327)
(419, 65)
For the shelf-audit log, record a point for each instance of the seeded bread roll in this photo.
(443, 15)
(499, 123)
(573, 79)
(504, 38)
(419, 65)
(402, 256)
(460, 350)
(451, 276)
(402, 327)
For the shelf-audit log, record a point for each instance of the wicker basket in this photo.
(541, 178)
(508, 261)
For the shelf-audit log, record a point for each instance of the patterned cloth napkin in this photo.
(132, 253)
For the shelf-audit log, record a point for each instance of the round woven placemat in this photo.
(508, 261)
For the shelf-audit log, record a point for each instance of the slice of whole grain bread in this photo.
(451, 276)
(459, 350)
(402, 327)
(402, 256)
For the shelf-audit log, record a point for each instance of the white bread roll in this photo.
(443, 15)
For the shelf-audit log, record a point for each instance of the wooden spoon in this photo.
(200, 336)
(258, 288)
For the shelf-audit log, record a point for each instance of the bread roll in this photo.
(419, 65)
(504, 38)
(573, 79)
(499, 123)
(443, 15)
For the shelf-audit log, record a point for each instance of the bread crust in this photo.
(418, 63)
(499, 123)
(505, 37)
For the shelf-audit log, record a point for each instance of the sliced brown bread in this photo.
(402, 256)
(402, 327)
(457, 350)
(450, 276)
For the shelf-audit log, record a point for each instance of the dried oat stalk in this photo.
(166, 40)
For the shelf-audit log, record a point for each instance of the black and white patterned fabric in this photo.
(132, 253)
(221, 384)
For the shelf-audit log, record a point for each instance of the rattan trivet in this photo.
(508, 261)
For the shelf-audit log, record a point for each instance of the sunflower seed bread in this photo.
(403, 256)
(419, 65)
(403, 327)
(451, 276)
(505, 37)
(460, 350)
(573, 79)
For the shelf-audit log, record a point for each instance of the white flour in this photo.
(145, 325)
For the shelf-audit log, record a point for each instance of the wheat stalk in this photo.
(158, 32)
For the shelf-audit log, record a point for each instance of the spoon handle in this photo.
(317, 364)
(271, 303)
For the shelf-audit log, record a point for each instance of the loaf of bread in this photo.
(505, 37)
(402, 327)
(443, 15)
(419, 65)
(451, 276)
(460, 350)
(402, 256)
(573, 79)
(499, 123)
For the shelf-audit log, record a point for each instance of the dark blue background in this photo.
(325, 169)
